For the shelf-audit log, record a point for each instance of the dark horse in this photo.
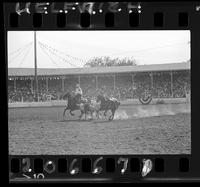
(108, 104)
(76, 103)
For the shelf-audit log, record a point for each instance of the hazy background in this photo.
(70, 49)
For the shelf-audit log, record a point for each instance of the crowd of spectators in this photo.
(181, 84)
(22, 93)
(161, 88)
(162, 85)
(50, 92)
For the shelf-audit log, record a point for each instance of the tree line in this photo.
(108, 61)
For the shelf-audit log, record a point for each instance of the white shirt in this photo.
(78, 91)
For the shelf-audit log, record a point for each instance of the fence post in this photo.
(114, 81)
(63, 84)
(132, 76)
(152, 81)
(96, 81)
(47, 84)
(15, 84)
(79, 80)
(172, 94)
(31, 85)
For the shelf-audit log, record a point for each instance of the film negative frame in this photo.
(111, 168)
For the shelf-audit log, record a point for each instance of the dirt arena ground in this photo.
(143, 129)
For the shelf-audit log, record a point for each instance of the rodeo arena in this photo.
(152, 114)
(102, 108)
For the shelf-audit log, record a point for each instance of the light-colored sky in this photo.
(68, 49)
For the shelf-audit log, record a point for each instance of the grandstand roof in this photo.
(99, 70)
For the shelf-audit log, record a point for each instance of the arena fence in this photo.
(63, 103)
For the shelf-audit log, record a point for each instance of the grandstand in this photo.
(123, 82)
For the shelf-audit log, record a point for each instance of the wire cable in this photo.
(26, 54)
(63, 59)
(144, 50)
(19, 49)
(22, 50)
(48, 56)
(67, 55)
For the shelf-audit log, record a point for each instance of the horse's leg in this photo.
(71, 112)
(84, 114)
(93, 113)
(91, 117)
(87, 113)
(105, 113)
(65, 111)
(112, 116)
(97, 114)
(102, 115)
(80, 117)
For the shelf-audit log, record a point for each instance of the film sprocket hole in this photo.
(101, 91)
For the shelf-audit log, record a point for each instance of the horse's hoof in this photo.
(110, 119)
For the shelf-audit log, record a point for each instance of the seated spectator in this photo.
(123, 90)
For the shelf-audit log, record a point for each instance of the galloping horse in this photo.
(108, 104)
(73, 104)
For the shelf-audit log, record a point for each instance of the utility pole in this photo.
(35, 62)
